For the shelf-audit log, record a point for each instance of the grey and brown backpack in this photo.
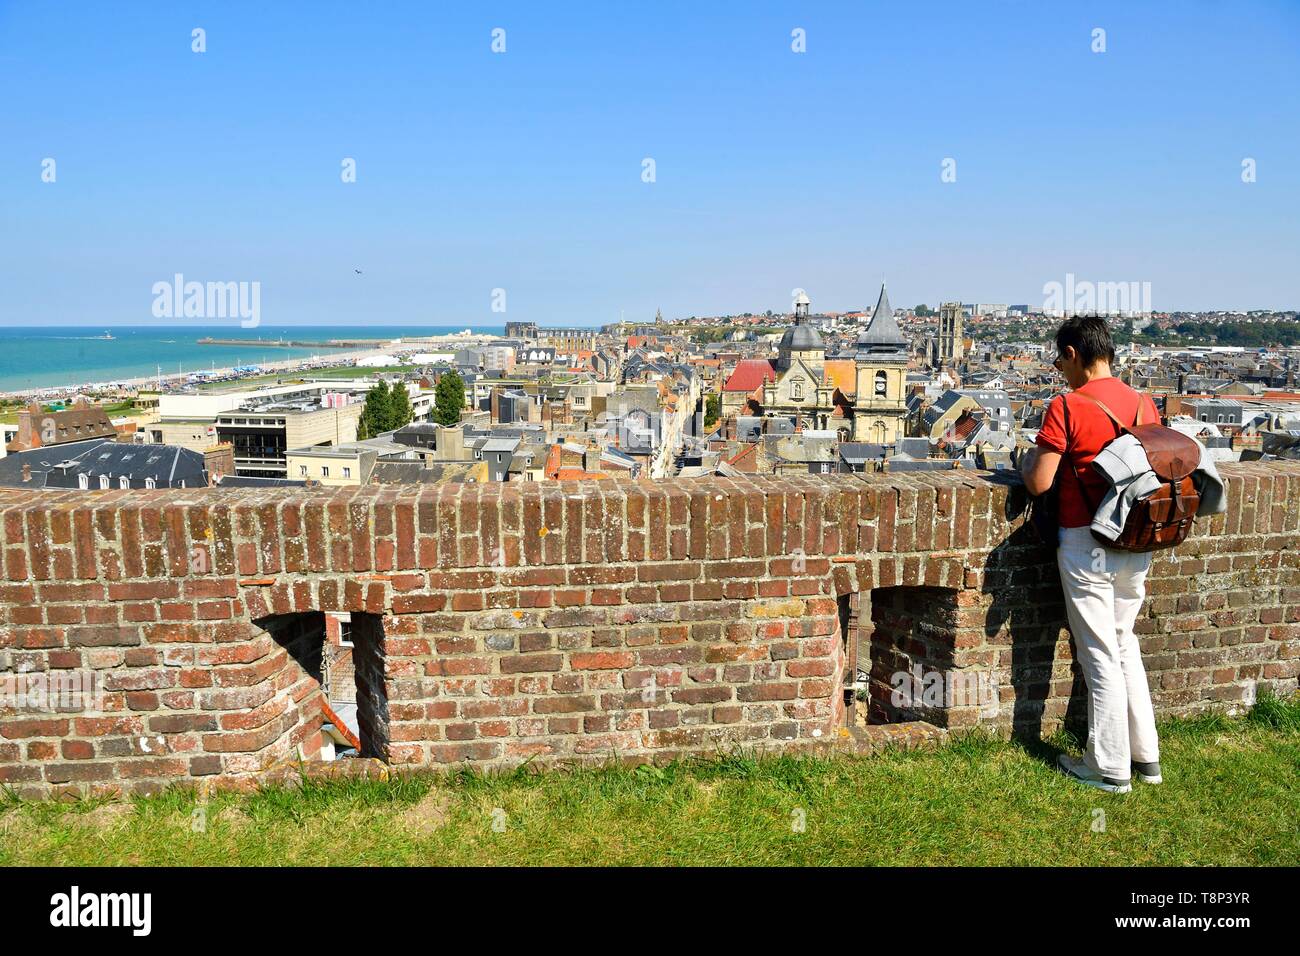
(1163, 517)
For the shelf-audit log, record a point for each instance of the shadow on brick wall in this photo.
(1025, 615)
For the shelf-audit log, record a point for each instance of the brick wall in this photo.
(567, 621)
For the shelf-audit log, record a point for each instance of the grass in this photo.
(9, 413)
(1231, 797)
(287, 376)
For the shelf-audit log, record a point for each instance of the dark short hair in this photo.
(1089, 336)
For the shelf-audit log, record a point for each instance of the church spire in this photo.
(882, 333)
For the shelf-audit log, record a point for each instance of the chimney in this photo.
(27, 472)
(29, 436)
(219, 460)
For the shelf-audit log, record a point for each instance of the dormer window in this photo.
(103, 482)
(123, 482)
(83, 481)
(150, 483)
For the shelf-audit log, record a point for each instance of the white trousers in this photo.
(1104, 590)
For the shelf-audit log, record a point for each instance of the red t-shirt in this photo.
(1090, 428)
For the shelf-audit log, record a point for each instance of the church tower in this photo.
(800, 390)
(950, 334)
(802, 343)
(880, 406)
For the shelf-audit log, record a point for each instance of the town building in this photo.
(103, 464)
(38, 428)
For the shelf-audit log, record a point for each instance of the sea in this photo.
(32, 358)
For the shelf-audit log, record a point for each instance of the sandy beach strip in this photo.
(339, 359)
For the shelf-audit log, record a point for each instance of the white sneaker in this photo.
(1148, 772)
(1076, 769)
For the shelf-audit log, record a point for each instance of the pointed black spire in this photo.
(882, 333)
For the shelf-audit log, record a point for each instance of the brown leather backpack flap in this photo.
(1172, 502)
(1172, 455)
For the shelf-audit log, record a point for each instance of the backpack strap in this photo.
(1069, 460)
(1172, 455)
(1137, 420)
(1122, 429)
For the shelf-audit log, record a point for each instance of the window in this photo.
(123, 482)
(103, 481)
(83, 481)
(302, 471)
(796, 390)
(150, 483)
(347, 472)
(325, 471)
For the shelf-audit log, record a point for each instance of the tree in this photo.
(378, 411)
(712, 410)
(923, 310)
(449, 399)
(400, 411)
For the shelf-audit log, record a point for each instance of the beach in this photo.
(52, 364)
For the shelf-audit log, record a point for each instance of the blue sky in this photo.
(523, 170)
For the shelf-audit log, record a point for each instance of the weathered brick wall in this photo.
(568, 621)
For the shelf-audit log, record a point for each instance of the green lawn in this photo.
(9, 413)
(287, 376)
(1231, 797)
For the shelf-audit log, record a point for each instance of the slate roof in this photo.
(857, 452)
(251, 481)
(59, 466)
(802, 337)
(882, 334)
(417, 473)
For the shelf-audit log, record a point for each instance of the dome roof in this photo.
(802, 338)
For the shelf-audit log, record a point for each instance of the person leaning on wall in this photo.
(1104, 587)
